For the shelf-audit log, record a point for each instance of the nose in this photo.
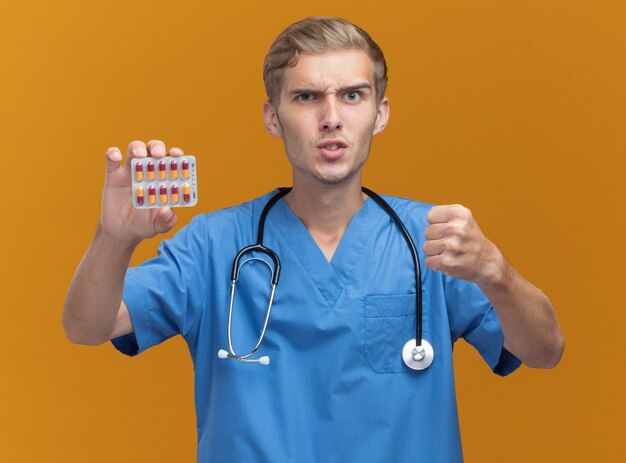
(330, 120)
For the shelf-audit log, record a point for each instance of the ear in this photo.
(270, 119)
(382, 117)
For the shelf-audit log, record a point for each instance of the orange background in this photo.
(515, 109)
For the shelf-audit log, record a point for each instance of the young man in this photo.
(337, 388)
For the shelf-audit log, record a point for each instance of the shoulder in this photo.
(410, 211)
(232, 217)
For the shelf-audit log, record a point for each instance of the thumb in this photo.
(164, 220)
(113, 158)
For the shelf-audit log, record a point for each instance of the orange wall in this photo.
(515, 109)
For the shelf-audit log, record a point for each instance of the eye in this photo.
(305, 97)
(353, 96)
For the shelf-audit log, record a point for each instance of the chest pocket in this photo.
(389, 324)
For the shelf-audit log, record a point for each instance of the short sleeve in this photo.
(166, 294)
(473, 318)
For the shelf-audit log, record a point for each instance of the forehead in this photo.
(328, 70)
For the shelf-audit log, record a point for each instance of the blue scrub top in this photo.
(336, 389)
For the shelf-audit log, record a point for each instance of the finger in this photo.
(434, 247)
(439, 214)
(442, 263)
(164, 220)
(174, 151)
(113, 157)
(156, 148)
(136, 149)
(434, 263)
(448, 245)
(436, 231)
(442, 214)
(452, 229)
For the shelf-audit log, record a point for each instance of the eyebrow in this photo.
(348, 88)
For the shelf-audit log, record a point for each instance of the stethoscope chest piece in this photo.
(418, 358)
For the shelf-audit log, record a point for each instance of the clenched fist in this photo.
(457, 247)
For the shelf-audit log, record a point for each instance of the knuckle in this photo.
(458, 230)
(452, 246)
(445, 246)
(465, 213)
(433, 263)
(448, 264)
(451, 228)
(460, 211)
(443, 264)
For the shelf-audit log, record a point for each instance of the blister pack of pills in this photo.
(169, 181)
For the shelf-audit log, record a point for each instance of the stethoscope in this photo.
(417, 353)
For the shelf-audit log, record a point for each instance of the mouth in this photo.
(332, 145)
(332, 149)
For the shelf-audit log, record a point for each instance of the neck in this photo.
(326, 210)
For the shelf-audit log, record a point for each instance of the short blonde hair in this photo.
(319, 34)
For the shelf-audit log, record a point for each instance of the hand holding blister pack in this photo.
(167, 181)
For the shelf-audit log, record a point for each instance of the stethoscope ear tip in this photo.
(223, 354)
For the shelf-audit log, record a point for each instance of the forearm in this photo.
(95, 294)
(531, 330)
(456, 246)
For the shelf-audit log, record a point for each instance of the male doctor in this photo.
(336, 389)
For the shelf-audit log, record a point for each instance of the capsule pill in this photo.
(163, 194)
(151, 194)
(186, 193)
(174, 195)
(185, 169)
(140, 200)
(174, 170)
(139, 172)
(162, 170)
(151, 171)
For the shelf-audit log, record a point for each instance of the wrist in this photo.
(114, 242)
(496, 269)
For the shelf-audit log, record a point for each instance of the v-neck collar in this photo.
(330, 278)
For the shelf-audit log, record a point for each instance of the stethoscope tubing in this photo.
(235, 276)
(230, 316)
(416, 262)
(412, 354)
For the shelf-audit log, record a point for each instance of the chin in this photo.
(334, 178)
(331, 181)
